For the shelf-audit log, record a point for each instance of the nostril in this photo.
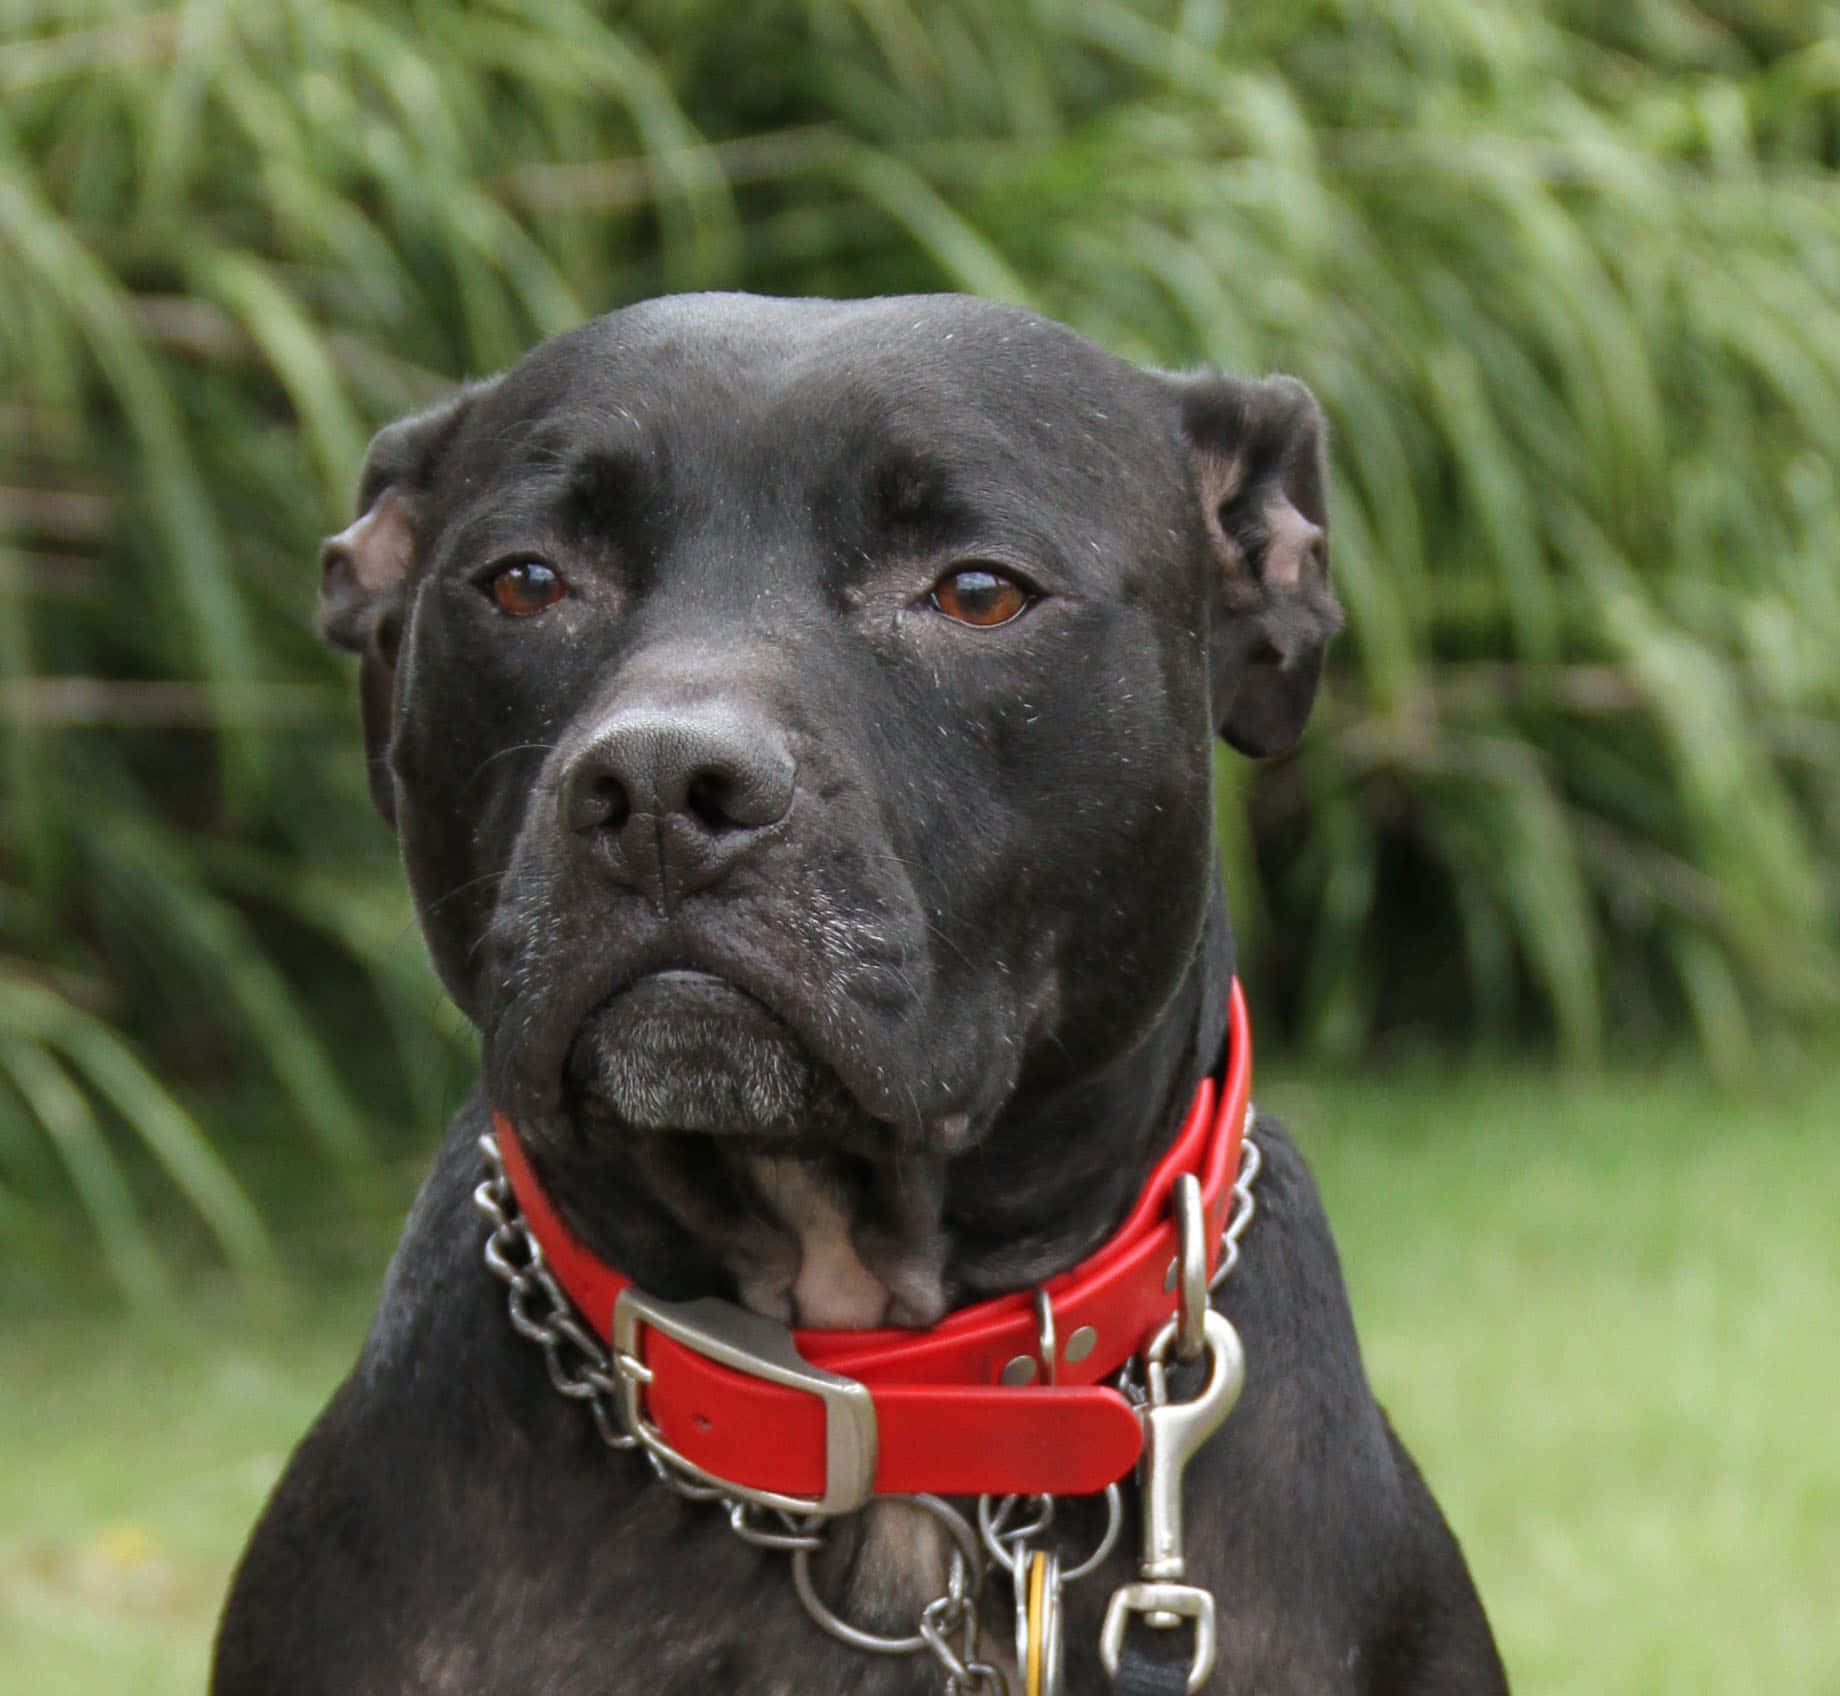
(601, 803)
(707, 799)
(614, 803)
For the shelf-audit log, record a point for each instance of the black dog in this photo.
(797, 720)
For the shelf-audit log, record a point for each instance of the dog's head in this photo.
(797, 715)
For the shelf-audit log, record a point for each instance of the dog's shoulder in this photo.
(1307, 1420)
(433, 1295)
(1309, 1491)
(381, 1487)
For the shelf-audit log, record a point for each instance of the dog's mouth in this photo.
(685, 1051)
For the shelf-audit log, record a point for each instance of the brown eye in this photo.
(525, 588)
(979, 597)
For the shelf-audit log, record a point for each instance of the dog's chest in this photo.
(655, 1595)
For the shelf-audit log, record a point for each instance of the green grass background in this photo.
(1602, 1316)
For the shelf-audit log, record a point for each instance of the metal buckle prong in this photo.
(761, 1348)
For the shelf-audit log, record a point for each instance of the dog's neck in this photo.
(842, 1244)
(1047, 1188)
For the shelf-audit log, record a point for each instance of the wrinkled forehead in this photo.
(735, 399)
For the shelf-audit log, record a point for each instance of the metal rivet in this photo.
(1080, 1344)
(1169, 1277)
(1019, 1370)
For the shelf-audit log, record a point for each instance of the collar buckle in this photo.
(761, 1348)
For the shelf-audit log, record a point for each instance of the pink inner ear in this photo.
(1218, 479)
(380, 545)
(1294, 542)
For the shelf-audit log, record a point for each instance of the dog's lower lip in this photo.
(684, 1050)
(686, 987)
(685, 978)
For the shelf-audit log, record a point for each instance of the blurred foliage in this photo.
(1563, 272)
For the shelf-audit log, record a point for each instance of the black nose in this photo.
(667, 801)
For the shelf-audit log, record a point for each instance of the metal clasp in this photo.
(1173, 1431)
(761, 1348)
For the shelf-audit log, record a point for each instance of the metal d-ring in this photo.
(1114, 1524)
(1191, 1262)
(1047, 1345)
(967, 1553)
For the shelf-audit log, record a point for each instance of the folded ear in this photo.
(1255, 452)
(368, 569)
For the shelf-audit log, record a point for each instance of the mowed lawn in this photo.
(1606, 1317)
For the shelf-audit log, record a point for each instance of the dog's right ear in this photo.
(368, 569)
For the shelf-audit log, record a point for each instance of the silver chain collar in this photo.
(584, 1370)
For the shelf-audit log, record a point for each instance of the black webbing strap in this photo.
(1154, 1663)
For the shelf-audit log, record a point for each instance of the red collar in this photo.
(819, 1420)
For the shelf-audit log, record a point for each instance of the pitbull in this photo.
(797, 720)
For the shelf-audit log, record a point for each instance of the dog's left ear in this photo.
(368, 569)
(1255, 452)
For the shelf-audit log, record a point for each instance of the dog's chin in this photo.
(682, 1051)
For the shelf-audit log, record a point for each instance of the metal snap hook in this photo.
(1173, 1432)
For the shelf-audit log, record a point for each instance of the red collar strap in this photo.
(819, 1420)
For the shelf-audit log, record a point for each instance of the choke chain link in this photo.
(1245, 1204)
(579, 1366)
(582, 1369)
